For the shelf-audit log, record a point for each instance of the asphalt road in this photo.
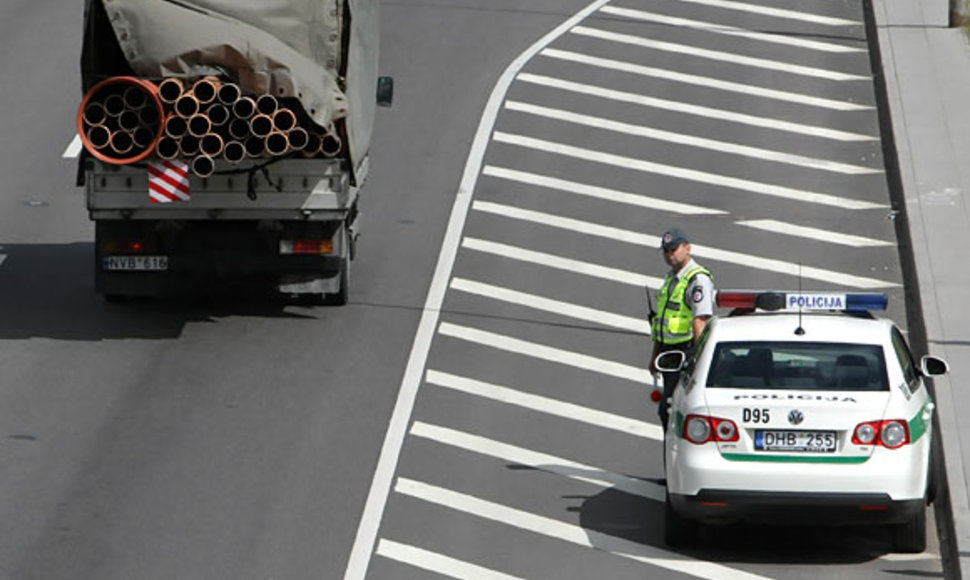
(237, 439)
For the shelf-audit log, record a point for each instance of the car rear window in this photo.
(823, 366)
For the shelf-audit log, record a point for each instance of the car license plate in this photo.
(804, 441)
(135, 263)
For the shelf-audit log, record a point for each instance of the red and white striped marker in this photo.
(168, 181)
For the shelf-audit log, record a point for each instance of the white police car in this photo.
(800, 408)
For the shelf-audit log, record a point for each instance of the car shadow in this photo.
(47, 291)
(614, 514)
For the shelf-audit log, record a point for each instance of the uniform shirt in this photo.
(700, 292)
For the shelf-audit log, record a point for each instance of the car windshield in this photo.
(822, 366)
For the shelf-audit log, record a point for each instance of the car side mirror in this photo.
(671, 361)
(933, 365)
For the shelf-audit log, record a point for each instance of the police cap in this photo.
(673, 238)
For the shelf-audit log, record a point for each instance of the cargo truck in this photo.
(226, 142)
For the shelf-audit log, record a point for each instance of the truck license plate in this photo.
(135, 263)
(804, 441)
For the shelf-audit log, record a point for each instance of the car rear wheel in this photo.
(910, 537)
(679, 532)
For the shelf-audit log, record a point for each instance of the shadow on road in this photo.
(47, 291)
(616, 514)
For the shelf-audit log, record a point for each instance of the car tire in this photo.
(679, 532)
(910, 537)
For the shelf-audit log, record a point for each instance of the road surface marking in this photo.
(717, 55)
(577, 360)
(437, 563)
(688, 140)
(687, 109)
(561, 263)
(776, 12)
(813, 233)
(637, 325)
(569, 532)
(688, 174)
(729, 30)
(370, 521)
(546, 405)
(706, 82)
(636, 238)
(541, 461)
(73, 148)
(603, 193)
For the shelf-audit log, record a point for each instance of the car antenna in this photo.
(799, 331)
(649, 304)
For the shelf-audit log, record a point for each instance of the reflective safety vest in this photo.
(673, 323)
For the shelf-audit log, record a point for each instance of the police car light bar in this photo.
(773, 300)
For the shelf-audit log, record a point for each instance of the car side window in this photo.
(910, 373)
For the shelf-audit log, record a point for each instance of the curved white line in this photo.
(370, 521)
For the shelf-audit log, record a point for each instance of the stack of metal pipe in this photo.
(125, 119)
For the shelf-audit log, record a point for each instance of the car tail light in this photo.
(700, 429)
(892, 434)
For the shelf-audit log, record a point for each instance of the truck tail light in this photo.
(892, 434)
(126, 247)
(306, 247)
(700, 429)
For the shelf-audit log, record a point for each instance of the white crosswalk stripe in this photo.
(572, 533)
(688, 140)
(560, 263)
(701, 81)
(718, 56)
(603, 193)
(630, 237)
(645, 16)
(437, 563)
(831, 237)
(537, 460)
(73, 148)
(684, 173)
(545, 405)
(776, 12)
(639, 376)
(688, 109)
(592, 315)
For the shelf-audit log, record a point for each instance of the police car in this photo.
(800, 408)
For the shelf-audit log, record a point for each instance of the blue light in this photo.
(865, 302)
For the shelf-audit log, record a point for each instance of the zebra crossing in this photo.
(531, 351)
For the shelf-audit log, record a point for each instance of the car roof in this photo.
(818, 327)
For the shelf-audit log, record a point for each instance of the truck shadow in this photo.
(47, 291)
(616, 515)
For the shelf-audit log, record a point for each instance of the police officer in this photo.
(685, 301)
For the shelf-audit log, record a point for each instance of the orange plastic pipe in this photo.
(95, 95)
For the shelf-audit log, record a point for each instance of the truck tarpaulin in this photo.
(321, 52)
